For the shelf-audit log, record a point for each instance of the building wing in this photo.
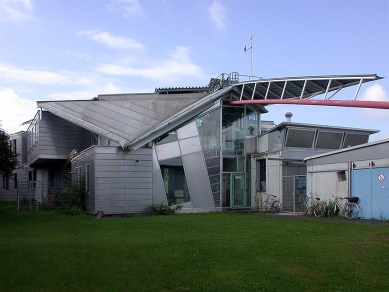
(121, 120)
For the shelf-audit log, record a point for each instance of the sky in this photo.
(78, 49)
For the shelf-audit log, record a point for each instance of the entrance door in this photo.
(238, 196)
(294, 190)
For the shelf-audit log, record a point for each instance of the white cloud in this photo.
(375, 92)
(179, 64)
(131, 6)
(31, 76)
(217, 12)
(43, 77)
(15, 10)
(82, 56)
(15, 110)
(113, 41)
(107, 88)
(125, 7)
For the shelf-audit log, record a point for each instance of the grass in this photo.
(50, 251)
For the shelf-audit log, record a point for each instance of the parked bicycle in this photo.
(350, 209)
(270, 204)
(312, 207)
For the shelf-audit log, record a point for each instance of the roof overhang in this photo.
(298, 90)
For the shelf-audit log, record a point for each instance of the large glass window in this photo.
(233, 127)
(208, 126)
(355, 139)
(252, 122)
(174, 180)
(299, 138)
(329, 140)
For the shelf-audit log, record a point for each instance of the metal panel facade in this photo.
(57, 138)
(169, 150)
(122, 179)
(198, 181)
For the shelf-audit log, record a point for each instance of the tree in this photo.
(8, 159)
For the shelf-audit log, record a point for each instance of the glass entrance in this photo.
(238, 196)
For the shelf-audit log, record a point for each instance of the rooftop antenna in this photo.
(251, 52)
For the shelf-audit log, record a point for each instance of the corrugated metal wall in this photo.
(121, 181)
(57, 138)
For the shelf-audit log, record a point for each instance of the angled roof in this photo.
(133, 120)
(121, 120)
(299, 87)
(321, 127)
(341, 154)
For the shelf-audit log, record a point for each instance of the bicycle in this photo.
(271, 204)
(312, 207)
(350, 209)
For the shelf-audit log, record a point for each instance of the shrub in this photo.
(161, 209)
(73, 196)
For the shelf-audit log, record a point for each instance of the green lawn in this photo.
(50, 251)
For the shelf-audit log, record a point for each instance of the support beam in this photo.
(344, 103)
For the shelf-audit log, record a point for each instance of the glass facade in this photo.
(209, 132)
(233, 131)
(218, 136)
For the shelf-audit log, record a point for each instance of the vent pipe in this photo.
(288, 116)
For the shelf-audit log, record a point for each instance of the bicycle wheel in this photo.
(351, 210)
(264, 206)
(319, 210)
(275, 207)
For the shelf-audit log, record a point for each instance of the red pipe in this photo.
(324, 102)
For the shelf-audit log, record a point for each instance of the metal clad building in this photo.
(192, 147)
(360, 171)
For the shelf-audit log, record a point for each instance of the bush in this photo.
(72, 198)
(161, 209)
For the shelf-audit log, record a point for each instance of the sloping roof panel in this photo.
(299, 87)
(120, 120)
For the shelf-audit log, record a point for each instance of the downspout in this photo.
(350, 164)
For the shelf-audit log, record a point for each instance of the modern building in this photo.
(281, 151)
(179, 146)
(360, 171)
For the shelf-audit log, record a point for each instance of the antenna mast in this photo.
(251, 53)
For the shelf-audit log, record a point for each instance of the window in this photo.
(328, 140)
(32, 179)
(341, 175)
(5, 183)
(87, 169)
(299, 138)
(174, 180)
(355, 139)
(261, 165)
(15, 181)
(233, 133)
(77, 172)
